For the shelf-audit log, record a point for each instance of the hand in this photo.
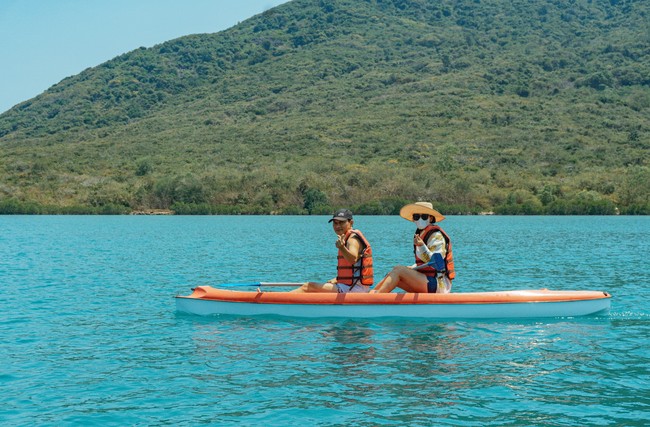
(417, 240)
(340, 243)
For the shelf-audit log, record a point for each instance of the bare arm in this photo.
(352, 251)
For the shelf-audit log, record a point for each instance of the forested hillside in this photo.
(512, 106)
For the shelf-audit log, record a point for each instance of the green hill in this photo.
(513, 106)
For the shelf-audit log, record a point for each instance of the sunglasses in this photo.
(418, 216)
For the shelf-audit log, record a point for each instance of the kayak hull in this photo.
(206, 300)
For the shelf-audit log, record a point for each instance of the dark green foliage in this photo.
(514, 106)
(315, 201)
(144, 167)
(380, 207)
(17, 207)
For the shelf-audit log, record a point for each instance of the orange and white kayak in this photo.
(206, 300)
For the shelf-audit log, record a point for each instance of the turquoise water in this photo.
(90, 335)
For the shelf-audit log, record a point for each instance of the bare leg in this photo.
(405, 278)
(316, 287)
(388, 283)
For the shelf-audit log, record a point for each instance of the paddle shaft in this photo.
(262, 284)
(282, 283)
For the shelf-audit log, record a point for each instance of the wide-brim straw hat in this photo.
(421, 208)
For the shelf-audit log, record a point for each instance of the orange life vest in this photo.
(449, 258)
(361, 271)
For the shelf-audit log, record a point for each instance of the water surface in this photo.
(91, 336)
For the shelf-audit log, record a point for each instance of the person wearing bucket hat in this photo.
(433, 270)
(354, 267)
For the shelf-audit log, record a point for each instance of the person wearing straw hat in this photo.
(354, 267)
(433, 270)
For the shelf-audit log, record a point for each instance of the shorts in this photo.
(356, 289)
(432, 284)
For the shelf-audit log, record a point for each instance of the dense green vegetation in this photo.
(512, 106)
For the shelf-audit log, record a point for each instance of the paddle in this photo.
(258, 284)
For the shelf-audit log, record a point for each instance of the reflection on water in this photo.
(386, 369)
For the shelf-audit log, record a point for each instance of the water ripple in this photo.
(91, 336)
